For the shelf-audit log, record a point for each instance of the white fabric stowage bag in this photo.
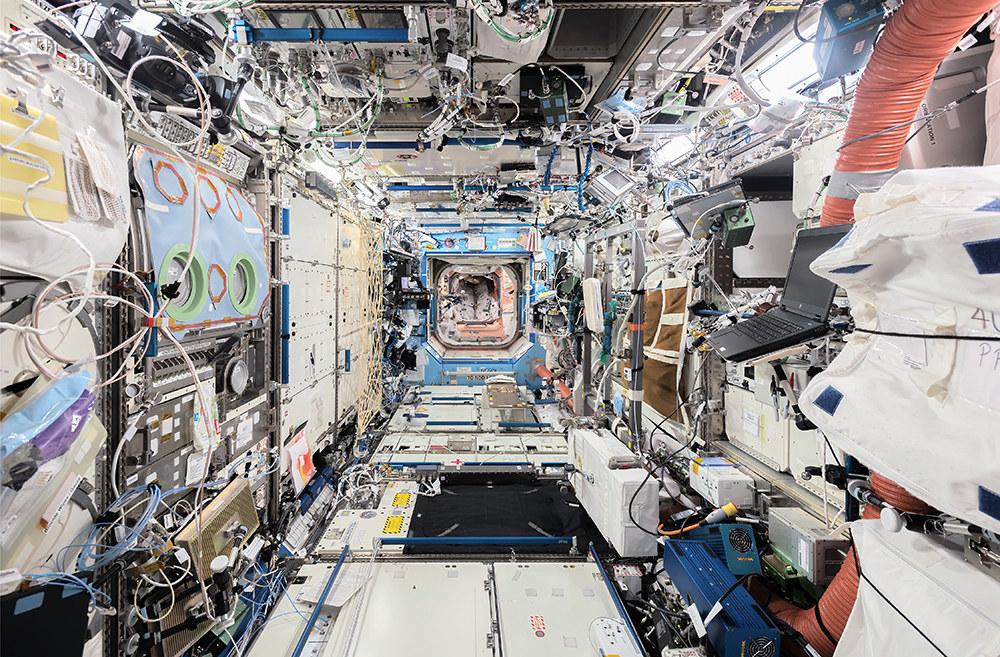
(930, 583)
(922, 259)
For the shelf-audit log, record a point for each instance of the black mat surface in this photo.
(538, 509)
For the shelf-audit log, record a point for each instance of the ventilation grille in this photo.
(740, 540)
(761, 647)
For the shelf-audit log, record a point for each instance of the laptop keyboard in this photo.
(768, 327)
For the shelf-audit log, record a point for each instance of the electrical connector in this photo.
(727, 511)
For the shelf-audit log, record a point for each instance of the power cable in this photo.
(930, 336)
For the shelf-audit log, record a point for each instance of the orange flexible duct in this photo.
(894, 83)
(902, 67)
(564, 391)
(835, 606)
(917, 38)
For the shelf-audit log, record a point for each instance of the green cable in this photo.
(305, 83)
(487, 147)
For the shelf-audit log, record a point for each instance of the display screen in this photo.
(616, 180)
(804, 290)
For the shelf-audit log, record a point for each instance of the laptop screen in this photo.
(805, 292)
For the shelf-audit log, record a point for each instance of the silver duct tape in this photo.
(851, 184)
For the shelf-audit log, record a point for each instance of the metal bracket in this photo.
(984, 555)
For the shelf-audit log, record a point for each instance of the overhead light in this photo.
(669, 31)
(644, 66)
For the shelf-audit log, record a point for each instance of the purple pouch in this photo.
(56, 438)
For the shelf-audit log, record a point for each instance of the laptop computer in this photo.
(804, 308)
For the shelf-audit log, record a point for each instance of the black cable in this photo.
(649, 473)
(917, 131)
(687, 519)
(928, 119)
(822, 626)
(658, 425)
(795, 636)
(732, 588)
(672, 614)
(861, 574)
(930, 336)
(661, 66)
(661, 464)
(882, 132)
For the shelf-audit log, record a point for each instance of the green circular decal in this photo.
(243, 284)
(193, 290)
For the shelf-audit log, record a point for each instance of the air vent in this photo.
(761, 647)
(740, 540)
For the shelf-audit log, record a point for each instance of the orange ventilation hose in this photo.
(564, 391)
(828, 617)
(917, 38)
(906, 57)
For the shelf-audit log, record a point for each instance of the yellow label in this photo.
(393, 525)
(401, 499)
(18, 171)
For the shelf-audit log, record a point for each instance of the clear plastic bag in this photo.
(40, 412)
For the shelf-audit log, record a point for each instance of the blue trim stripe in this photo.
(829, 400)
(849, 269)
(985, 255)
(614, 597)
(527, 425)
(319, 607)
(477, 540)
(989, 502)
(285, 333)
(340, 35)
